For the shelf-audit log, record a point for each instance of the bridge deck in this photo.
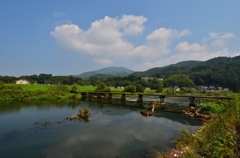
(161, 95)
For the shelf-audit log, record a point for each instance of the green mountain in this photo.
(166, 71)
(107, 72)
(220, 71)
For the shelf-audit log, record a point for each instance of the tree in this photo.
(139, 88)
(74, 88)
(44, 78)
(159, 87)
(179, 80)
(101, 87)
(130, 88)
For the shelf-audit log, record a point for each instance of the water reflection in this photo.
(112, 131)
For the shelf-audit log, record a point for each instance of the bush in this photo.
(216, 108)
(101, 87)
(130, 88)
(74, 88)
(139, 88)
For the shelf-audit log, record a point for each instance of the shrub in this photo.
(74, 88)
(101, 87)
(139, 88)
(130, 88)
(216, 108)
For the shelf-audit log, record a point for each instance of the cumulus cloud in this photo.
(106, 39)
(195, 51)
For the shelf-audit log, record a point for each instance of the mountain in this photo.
(107, 72)
(188, 67)
(218, 72)
(164, 72)
(190, 63)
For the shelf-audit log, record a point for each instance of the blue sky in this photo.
(63, 37)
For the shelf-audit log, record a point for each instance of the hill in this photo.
(219, 72)
(164, 72)
(107, 72)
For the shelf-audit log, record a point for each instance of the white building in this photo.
(22, 81)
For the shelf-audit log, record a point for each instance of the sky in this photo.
(69, 37)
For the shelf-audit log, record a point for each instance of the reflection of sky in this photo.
(116, 131)
(111, 136)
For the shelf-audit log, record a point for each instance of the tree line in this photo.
(131, 83)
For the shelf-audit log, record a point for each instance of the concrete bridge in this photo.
(140, 96)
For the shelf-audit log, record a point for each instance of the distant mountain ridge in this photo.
(107, 72)
(186, 67)
(219, 72)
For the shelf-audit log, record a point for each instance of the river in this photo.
(41, 130)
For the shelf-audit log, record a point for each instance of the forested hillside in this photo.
(220, 71)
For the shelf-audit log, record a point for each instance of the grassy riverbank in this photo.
(218, 138)
(14, 92)
(11, 92)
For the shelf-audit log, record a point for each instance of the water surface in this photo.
(41, 130)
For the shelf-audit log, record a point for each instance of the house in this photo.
(22, 81)
(120, 87)
(201, 88)
(211, 88)
(148, 88)
(150, 78)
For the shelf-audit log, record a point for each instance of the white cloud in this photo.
(195, 51)
(132, 25)
(215, 35)
(184, 52)
(184, 33)
(236, 54)
(103, 39)
(158, 43)
(186, 48)
(219, 39)
(106, 39)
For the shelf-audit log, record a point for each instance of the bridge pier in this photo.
(99, 95)
(90, 95)
(192, 101)
(110, 96)
(140, 98)
(162, 98)
(84, 94)
(123, 97)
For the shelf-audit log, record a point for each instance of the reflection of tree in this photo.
(73, 104)
(17, 106)
(84, 119)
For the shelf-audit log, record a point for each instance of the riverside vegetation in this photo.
(218, 138)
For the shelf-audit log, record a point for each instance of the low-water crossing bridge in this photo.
(109, 95)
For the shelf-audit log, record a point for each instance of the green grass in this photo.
(217, 138)
(13, 92)
(86, 88)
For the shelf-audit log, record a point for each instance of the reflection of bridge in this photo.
(109, 95)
